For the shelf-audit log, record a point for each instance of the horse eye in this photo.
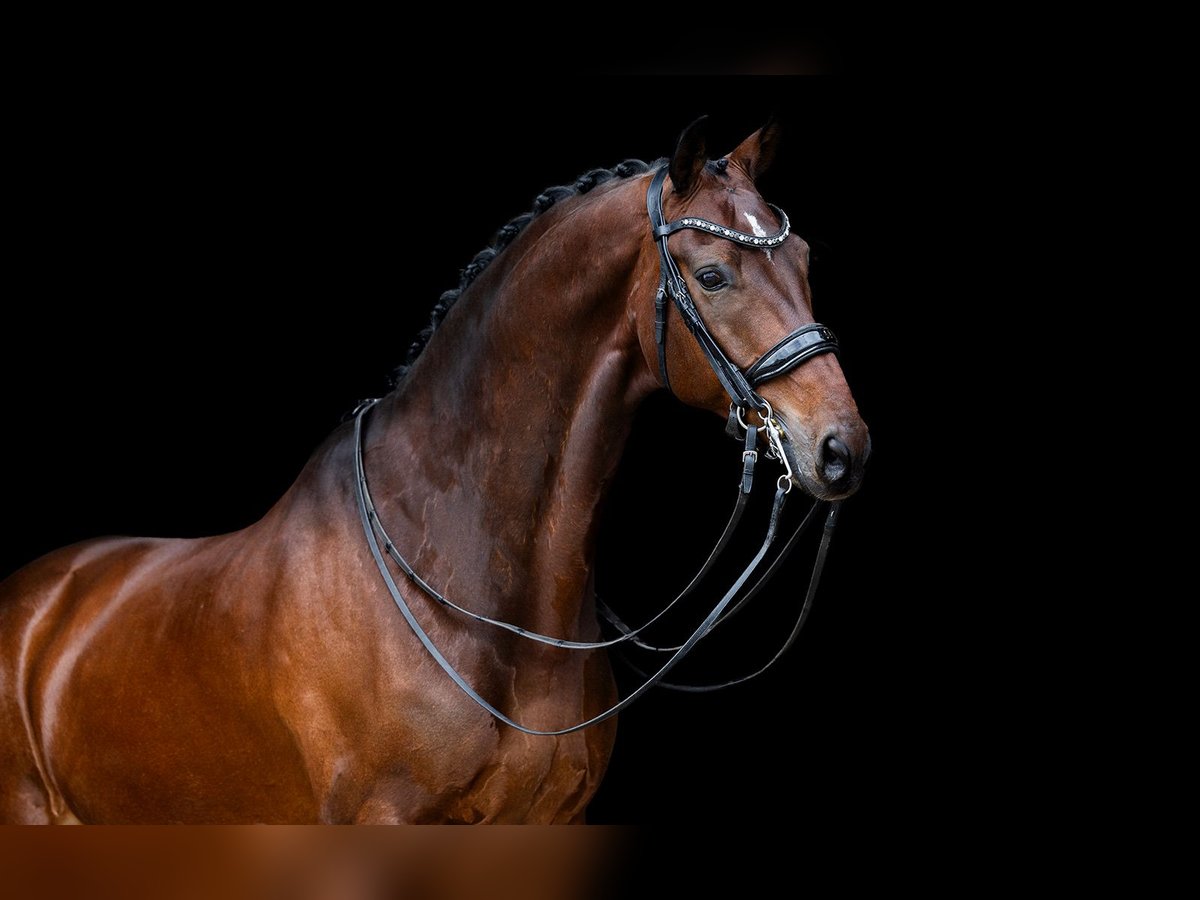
(711, 280)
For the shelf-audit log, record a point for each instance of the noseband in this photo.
(801, 345)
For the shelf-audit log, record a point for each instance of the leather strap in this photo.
(446, 666)
(805, 609)
(660, 329)
(760, 242)
(798, 347)
(761, 582)
(749, 460)
(672, 282)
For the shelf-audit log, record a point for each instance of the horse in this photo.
(263, 676)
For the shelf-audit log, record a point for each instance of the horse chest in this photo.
(532, 779)
(439, 759)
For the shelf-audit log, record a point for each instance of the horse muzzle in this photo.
(829, 466)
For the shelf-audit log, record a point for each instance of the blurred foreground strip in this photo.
(314, 863)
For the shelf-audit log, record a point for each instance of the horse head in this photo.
(749, 298)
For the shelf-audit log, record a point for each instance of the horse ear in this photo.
(755, 153)
(690, 156)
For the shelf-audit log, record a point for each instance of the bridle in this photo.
(802, 344)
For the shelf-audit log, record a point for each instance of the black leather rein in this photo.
(370, 523)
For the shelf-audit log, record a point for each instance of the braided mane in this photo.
(503, 238)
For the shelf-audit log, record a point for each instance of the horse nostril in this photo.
(835, 459)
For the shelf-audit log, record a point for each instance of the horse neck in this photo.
(497, 447)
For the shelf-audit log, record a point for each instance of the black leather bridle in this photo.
(802, 344)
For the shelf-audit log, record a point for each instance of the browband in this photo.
(798, 347)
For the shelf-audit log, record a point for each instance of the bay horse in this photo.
(265, 675)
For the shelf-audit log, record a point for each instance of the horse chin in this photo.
(818, 491)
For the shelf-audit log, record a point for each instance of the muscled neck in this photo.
(492, 455)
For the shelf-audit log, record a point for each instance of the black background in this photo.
(207, 276)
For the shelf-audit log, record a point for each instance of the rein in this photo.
(802, 344)
(370, 520)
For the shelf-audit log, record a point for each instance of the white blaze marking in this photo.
(754, 226)
(758, 231)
